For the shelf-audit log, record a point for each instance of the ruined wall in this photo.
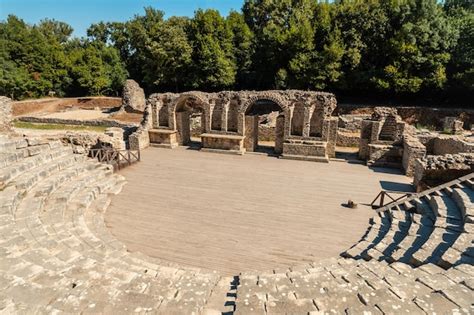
(413, 149)
(140, 139)
(5, 114)
(444, 144)
(424, 116)
(434, 170)
(133, 97)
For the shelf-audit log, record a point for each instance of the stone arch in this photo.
(249, 120)
(264, 97)
(182, 109)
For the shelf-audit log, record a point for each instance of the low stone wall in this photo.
(348, 138)
(95, 122)
(426, 116)
(434, 170)
(5, 114)
(450, 145)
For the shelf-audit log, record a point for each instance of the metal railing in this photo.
(118, 158)
(385, 195)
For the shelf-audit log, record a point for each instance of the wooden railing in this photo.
(385, 195)
(118, 158)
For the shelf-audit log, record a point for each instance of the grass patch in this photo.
(428, 127)
(40, 126)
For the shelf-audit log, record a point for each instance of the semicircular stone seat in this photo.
(57, 255)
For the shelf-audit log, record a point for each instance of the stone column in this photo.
(182, 125)
(155, 118)
(332, 137)
(225, 112)
(307, 121)
(5, 114)
(279, 134)
(251, 133)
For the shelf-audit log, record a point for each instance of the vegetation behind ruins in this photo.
(406, 48)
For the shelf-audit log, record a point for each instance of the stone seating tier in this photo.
(57, 255)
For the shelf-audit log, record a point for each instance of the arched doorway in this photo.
(264, 127)
(191, 121)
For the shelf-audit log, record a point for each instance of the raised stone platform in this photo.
(222, 143)
(236, 213)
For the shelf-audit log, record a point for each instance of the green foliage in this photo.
(410, 47)
(213, 58)
(42, 59)
(43, 126)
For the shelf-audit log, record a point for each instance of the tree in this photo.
(242, 41)
(461, 66)
(214, 63)
(418, 49)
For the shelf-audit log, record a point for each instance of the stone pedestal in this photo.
(305, 150)
(222, 143)
(163, 138)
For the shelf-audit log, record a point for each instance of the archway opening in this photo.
(264, 127)
(190, 121)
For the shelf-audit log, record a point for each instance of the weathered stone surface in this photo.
(5, 114)
(133, 97)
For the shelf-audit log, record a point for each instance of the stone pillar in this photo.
(206, 119)
(251, 133)
(225, 113)
(155, 118)
(307, 121)
(182, 125)
(365, 134)
(332, 137)
(279, 134)
(5, 114)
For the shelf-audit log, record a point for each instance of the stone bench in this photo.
(222, 143)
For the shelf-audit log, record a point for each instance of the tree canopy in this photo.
(357, 48)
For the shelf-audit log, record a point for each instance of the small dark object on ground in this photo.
(351, 204)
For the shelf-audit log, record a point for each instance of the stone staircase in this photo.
(416, 257)
(56, 254)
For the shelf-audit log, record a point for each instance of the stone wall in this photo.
(425, 116)
(133, 97)
(413, 149)
(140, 139)
(307, 115)
(5, 114)
(444, 144)
(434, 170)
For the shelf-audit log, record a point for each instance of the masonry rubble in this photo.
(133, 97)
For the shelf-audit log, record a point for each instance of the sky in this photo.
(80, 14)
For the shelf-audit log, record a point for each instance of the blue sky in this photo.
(81, 13)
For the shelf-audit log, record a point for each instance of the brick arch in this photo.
(265, 97)
(200, 101)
